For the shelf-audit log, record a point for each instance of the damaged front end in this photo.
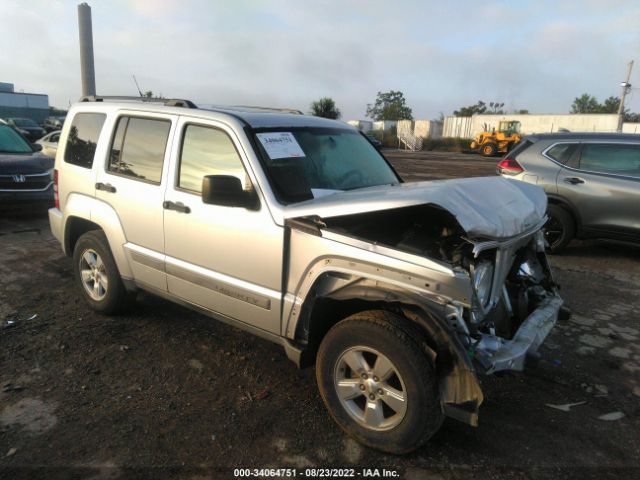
(473, 275)
(515, 301)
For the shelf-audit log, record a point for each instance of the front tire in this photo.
(377, 382)
(97, 275)
(488, 149)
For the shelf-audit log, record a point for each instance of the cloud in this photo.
(529, 54)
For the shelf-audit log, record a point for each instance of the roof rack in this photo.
(274, 109)
(250, 108)
(169, 102)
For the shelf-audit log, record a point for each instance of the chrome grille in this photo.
(21, 182)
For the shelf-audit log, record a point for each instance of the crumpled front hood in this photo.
(25, 164)
(491, 207)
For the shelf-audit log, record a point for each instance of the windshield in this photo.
(11, 142)
(304, 163)
(24, 122)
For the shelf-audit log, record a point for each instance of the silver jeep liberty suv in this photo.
(296, 229)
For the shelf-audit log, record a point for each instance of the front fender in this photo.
(461, 395)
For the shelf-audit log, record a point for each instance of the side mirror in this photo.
(36, 147)
(226, 190)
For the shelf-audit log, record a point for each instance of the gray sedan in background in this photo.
(592, 181)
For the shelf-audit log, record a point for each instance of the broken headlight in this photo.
(482, 281)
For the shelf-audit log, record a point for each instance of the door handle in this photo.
(107, 187)
(573, 180)
(177, 206)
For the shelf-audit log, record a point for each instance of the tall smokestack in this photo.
(86, 50)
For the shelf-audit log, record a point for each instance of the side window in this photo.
(562, 152)
(83, 138)
(138, 147)
(207, 151)
(619, 159)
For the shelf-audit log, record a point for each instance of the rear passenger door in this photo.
(132, 182)
(603, 183)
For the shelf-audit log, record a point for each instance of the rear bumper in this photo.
(494, 354)
(55, 223)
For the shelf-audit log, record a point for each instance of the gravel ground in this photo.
(164, 392)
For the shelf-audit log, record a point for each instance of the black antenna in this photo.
(137, 86)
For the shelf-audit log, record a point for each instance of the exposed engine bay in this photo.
(511, 279)
(424, 230)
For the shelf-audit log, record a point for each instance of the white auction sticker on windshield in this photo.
(280, 145)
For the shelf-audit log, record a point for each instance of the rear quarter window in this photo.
(83, 137)
(520, 147)
(562, 152)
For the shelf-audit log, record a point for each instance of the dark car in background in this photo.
(27, 127)
(53, 123)
(592, 181)
(26, 175)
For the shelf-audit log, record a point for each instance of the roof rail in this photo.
(250, 108)
(169, 102)
(274, 109)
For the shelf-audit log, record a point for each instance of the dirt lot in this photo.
(167, 393)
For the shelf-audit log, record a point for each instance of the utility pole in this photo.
(88, 74)
(626, 86)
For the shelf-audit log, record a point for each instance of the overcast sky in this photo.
(536, 54)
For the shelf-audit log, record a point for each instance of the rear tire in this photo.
(97, 275)
(377, 382)
(559, 229)
(488, 149)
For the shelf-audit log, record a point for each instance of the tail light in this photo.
(509, 166)
(56, 196)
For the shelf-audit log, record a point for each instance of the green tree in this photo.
(326, 108)
(632, 117)
(478, 108)
(496, 108)
(390, 105)
(610, 105)
(586, 104)
(148, 94)
(521, 111)
(589, 104)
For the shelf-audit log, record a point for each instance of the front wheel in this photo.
(378, 383)
(489, 149)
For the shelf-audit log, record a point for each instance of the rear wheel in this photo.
(97, 275)
(377, 382)
(559, 229)
(488, 149)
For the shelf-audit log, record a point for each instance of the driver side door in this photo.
(225, 259)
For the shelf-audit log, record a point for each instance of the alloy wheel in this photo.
(93, 275)
(370, 388)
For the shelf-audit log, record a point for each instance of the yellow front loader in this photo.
(497, 141)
